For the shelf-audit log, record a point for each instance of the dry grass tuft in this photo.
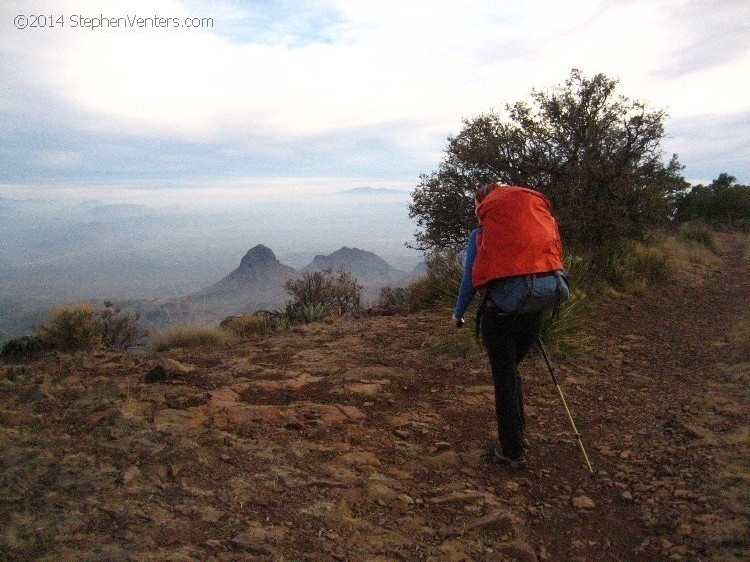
(191, 335)
(246, 325)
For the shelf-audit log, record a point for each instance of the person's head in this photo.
(483, 192)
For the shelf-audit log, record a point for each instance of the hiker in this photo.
(509, 330)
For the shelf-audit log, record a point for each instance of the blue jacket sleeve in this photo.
(466, 292)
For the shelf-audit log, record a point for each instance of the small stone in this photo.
(166, 369)
(583, 502)
(252, 544)
(627, 496)
(705, 518)
(521, 551)
(133, 473)
(498, 521)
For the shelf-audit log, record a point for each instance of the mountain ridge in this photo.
(258, 283)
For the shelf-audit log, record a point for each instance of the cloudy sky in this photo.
(341, 92)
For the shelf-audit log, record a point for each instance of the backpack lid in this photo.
(519, 235)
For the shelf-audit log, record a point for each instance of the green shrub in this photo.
(634, 266)
(393, 298)
(338, 293)
(82, 326)
(440, 285)
(308, 313)
(119, 329)
(560, 327)
(280, 322)
(191, 335)
(72, 327)
(293, 314)
(23, 348)
(420, 295)
(700, 233)
(646, 265)
(723, 203)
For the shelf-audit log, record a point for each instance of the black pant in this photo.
(508, 340)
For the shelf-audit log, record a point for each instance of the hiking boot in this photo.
(501, 458)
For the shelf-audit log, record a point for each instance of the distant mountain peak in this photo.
(365, 266)
(345, 255)
(257, 283)
(258, 255)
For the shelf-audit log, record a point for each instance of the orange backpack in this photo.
(519, 236)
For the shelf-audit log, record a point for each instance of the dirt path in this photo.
(363, 440)
(663, 400)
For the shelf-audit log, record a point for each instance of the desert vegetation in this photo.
(190, 335)
(316, 296)
(333, 292)
(78, 327)
(723, 203)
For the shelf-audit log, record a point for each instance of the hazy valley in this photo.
(55, 250)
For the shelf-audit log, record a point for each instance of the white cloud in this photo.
(59, 159)
(412, 67)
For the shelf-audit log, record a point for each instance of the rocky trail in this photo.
(364, 440)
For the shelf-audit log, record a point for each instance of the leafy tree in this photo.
(723, 203)
(596, 155)
(338, 293)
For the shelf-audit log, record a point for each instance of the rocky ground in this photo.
(364, 440)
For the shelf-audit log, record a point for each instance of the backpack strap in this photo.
(484, 308)
(558, 295)
(480, 312)
(530, 281)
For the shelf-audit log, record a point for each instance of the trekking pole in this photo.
(559, 390)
